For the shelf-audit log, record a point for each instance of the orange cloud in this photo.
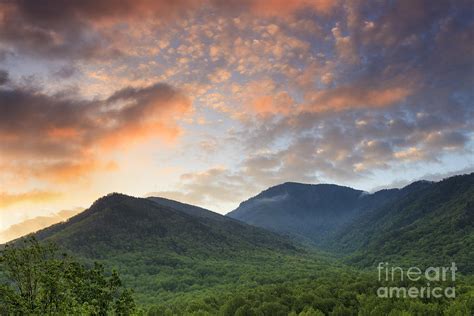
(343, 98)
(219, 76)
(281, 103)
(263, 104)
(157, 119)
(62, 132)
(409, 154)
(8, 199)
(284, 7)
(67, 138)
(263, 98)
(65, 171)
(126, 137)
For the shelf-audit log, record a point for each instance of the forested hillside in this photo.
(162, 251)
(424, 223)
(118, 223)
(311, 212)
(431, 225)
(308, 212)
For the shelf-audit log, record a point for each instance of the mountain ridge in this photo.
(362, 200)
(167, 254)
(377, 225)
(129, 217)
(305, 211)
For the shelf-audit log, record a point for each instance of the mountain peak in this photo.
(303, 188)
(307, 209)
(122, 222)
(112, 198)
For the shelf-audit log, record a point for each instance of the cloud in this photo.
(99, 29)
(280, 103)
(213, 188)
(8, 199)
(3, 77)
(338, 147)
(345, 46)
(309, 90)
(428, 177)
(77, 29)
(59, 137)
(34, 224)
(396, 95)
(284, 7)
(219, 76)
(334, 148)
(350, 144)
(64, 72)
(356, 96)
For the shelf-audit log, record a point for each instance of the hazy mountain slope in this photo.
(311, 212)
(424, 223)
(433, 226)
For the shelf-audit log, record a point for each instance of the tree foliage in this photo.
(41, 282)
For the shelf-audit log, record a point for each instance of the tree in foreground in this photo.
(36, 280)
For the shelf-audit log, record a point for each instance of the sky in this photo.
(210, 102)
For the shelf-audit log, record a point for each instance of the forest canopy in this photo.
(41, 281)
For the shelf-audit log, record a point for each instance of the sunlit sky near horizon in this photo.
(210, 102)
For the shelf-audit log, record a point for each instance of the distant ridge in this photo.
(307, 211)
(410, 224)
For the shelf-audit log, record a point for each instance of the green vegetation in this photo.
(269, 285)
(431, 226)
(333, 292)
(162, 252)
(40, 282)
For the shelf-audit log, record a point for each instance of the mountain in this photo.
(166, 250)
(431, 225)
(302, 210)
(119, 222)
(310, 212)
(188, 208)
(422, 223)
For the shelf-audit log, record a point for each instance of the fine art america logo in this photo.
(433, 281)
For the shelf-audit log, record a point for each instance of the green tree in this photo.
(39, 281)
